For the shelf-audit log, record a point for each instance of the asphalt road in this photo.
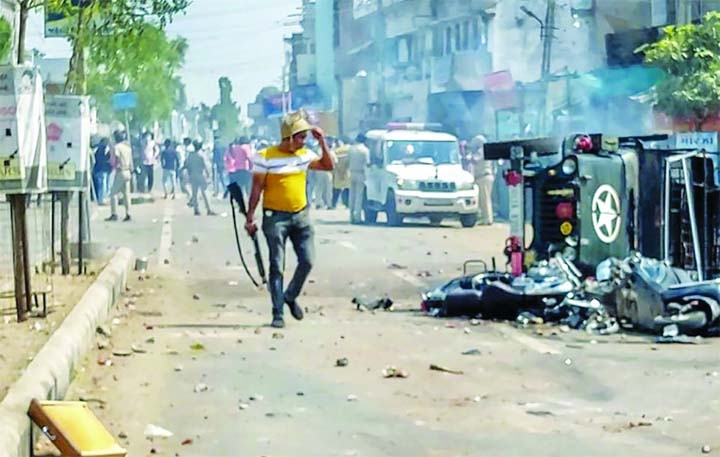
(249, 390)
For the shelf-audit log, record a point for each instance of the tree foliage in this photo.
(126, 49)
(147, 65)
(690, 56)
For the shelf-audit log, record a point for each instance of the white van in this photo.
(416, 172)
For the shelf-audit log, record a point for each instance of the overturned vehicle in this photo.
(588, 219)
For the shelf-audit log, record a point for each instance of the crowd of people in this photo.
(193, 168)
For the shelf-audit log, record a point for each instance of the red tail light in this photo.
(564, 210)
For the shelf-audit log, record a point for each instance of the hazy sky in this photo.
(241, 39)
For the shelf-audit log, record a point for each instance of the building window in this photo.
(458, 41)
(404, 49)
(437, 44)
(448, 41)
(466, 35)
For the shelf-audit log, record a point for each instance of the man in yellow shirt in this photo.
(280, 177)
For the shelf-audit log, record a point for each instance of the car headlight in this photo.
(408, 184)
(467, 185)
(569, 166)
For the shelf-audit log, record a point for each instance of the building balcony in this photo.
(459, 72)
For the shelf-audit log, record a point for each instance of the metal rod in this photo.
(666, 213)
(81, 230)
(693, 222)
(53, 198)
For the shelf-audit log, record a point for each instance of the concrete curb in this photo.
(50, 373)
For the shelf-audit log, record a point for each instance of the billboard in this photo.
(68, 142)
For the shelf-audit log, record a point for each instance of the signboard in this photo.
(364, 7)
(57, 23)
(124, 101)
(68, 142)
(22, 132)
(697, 140)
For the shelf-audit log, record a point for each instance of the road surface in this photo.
(226, 384)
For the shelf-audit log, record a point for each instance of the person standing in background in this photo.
(484, 172)
(198, 175)
(150, 151)
(169, 162)
(123, 158)
(101, 171)
(218, 167)
(341, 175)
(358, 161)
(238, 162)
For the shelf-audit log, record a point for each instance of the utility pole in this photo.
(546, 36)
(379, 40)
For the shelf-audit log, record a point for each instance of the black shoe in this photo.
(295, 309)
(277, 322)
(127, 218)
(112, 218)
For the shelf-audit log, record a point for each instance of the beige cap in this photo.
(293, 124)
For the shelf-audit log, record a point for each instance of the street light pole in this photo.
(546, 28)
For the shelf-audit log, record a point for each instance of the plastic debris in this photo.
(342, 362)
(154, 431)
(394, 372)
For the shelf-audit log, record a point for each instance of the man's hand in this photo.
(250, 227)
(318, 133)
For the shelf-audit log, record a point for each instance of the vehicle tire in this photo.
(393, 218)
(468, 220)
(436, 220)
(370, 214)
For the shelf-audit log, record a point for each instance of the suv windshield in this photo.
(429, 152)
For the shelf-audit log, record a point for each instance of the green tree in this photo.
(147, 65)
(690, 57)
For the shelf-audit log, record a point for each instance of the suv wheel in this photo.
(393, 218)
(468, 220)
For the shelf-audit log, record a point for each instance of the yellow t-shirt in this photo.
(286, 177)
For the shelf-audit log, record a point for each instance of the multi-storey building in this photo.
(502, 67)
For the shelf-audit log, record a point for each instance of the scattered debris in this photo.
(137, 349)
(154, 431)
(540, 413)
(233, 283)
(243, 406)
(104, 330)
(352, 397)
(393, 372)
(568, 361)
(445, 369)
(396, 266)
(278, 336)
(473, 351)
(364, 304)
(423, 274)
(197, 347)
(475, 322)
(195, 239)
(102, 343)
(122, 435)
(178, 368)
(186, 442)
(706, 449)
(201, 387)
(342, 362)
(258, 330)
(196, 297)
(121, 353)
(104, 362)
(256, 397)
(467, 330)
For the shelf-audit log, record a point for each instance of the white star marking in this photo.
(606, 213)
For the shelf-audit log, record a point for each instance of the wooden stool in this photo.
(73, 429)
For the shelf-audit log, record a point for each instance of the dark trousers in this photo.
(337, 194)
(148, 178)
(278, 226)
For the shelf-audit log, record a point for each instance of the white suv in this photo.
(415, 172)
